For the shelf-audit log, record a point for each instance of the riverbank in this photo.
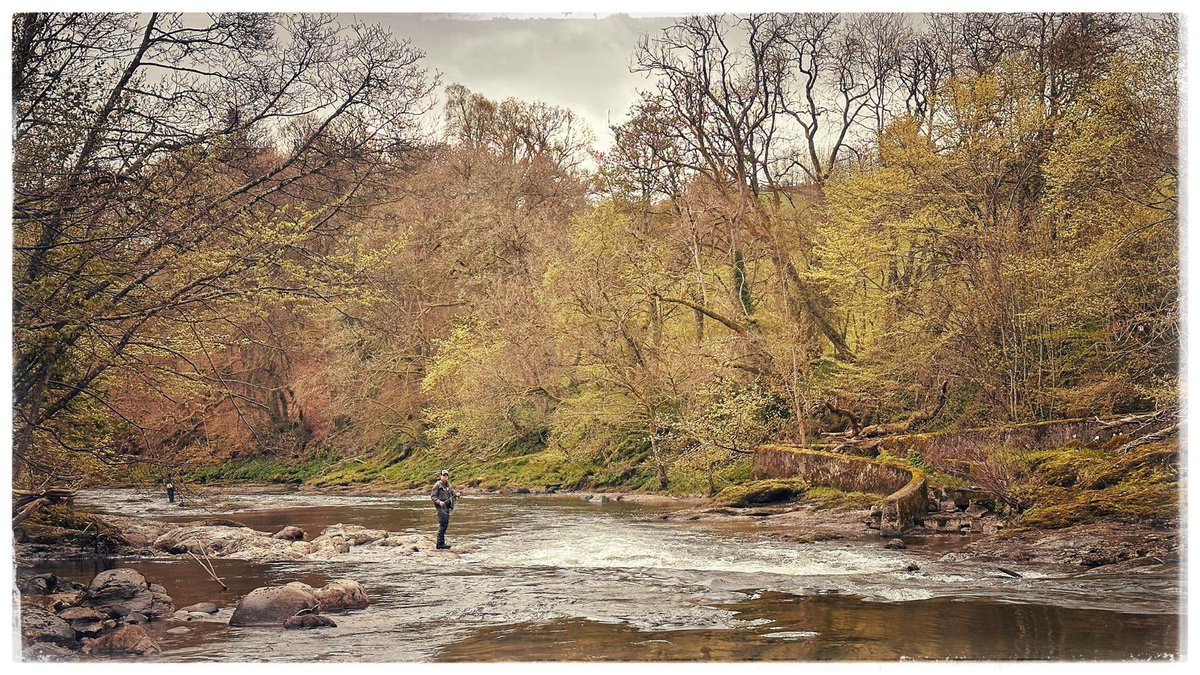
(583, 563)
(1082, 547)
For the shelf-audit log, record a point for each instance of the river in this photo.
(537, 578)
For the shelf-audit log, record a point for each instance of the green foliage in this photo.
(490, 304)
(266, 469)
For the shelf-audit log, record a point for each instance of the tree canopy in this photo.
(247, 235)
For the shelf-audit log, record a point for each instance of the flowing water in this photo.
(544, 578)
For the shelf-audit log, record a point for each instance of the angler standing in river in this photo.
(444, 498)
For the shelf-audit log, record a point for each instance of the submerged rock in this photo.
(309, 621)
(896, 544)
(205, 607)
(272, 605)
(47, 652)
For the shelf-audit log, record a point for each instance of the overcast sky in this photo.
(580, 63)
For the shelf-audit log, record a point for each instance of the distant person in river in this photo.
(170, 490)
(444, 497)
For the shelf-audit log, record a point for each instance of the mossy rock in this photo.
(1163, 456)
(1071, 486)
(761, 492)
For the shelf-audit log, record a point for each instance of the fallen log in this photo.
(1161, 434)
(909, 424)
(856, 426)
(24, 513)
(22, 497)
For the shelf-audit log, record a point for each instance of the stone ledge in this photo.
(905, 486)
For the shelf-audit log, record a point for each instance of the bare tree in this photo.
(166, 166)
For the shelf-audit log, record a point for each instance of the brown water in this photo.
(539, 578)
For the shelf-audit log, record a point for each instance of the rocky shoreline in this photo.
(61, 620)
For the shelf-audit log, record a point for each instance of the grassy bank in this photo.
(1048, 488)
(521, 464)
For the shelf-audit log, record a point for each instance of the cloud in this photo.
(580, 63)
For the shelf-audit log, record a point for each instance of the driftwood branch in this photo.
(207, 565)
(23, 513)
(1152, 437)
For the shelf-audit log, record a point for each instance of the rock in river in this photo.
(124, 640)
(48, 652)
(38, 625)
(120, 591)
(205, 607)
(290, 533)
(232, 542)
(85, 621)
(272, 605)
(309, 621)
(338, 596)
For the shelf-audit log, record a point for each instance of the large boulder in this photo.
(124, 640)
(117, 592)
(337, 596)
(38, 625)
(272, 605)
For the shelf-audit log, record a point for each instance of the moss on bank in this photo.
(1057, 488)
(1074, 485)
(761, 492)
(779, 491)
(267, 469)
(523, 463)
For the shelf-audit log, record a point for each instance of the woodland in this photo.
(280, 248)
